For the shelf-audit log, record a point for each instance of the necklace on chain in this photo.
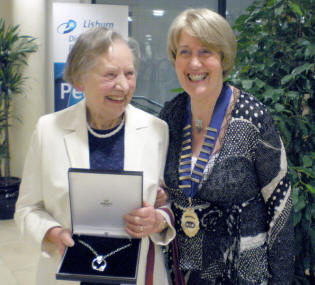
(198, 125)
(104, 136)
(99, 263)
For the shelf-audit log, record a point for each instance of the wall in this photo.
(5, 10)
(30, 105)
(32, 16)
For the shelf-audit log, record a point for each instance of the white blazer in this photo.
(60, 141)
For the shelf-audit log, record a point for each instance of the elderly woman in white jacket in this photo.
(103, 131)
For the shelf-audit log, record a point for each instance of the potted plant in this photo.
(14, 51)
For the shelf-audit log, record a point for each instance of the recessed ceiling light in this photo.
(158, 13)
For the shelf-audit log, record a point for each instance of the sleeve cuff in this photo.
(166, 236)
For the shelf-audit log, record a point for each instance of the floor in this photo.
(18, 258)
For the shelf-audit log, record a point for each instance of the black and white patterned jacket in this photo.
(243, 202)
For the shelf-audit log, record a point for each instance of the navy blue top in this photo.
(107, 153)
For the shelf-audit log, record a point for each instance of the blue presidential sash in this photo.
(189, 179)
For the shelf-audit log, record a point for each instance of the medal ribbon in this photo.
(190, 179)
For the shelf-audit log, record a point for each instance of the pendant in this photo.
(190, 222)
(198, 125)
(99, 263)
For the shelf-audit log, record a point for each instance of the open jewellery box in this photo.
(103, 251)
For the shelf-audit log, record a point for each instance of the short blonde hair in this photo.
(89, 46)
(210, 28)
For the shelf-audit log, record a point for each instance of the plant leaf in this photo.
(310, 188)
(296, 8)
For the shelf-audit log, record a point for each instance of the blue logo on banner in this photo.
(66, 28)
(65, 94)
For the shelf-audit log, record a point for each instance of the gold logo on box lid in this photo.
(106, 203)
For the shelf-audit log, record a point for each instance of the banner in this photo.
(69, 21)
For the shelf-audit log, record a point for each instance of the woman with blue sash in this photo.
(226, 170)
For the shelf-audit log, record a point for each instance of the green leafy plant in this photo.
(14, 51)
(276, 63)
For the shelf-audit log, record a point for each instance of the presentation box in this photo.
(103, 251)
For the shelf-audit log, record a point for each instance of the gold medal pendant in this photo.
(190, 222)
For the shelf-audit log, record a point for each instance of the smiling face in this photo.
(109, 85)
(198, 68)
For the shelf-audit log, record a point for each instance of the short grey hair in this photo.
(89, 46)
(210, 28)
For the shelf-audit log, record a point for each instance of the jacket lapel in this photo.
(134, 139)
(174, 114)
(76, 140)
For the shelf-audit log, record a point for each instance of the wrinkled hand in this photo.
(60, 237)
(161, 198)
(143, 221)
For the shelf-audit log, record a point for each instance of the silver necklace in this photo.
(104, 136)
(99, 263)
(198, 125)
